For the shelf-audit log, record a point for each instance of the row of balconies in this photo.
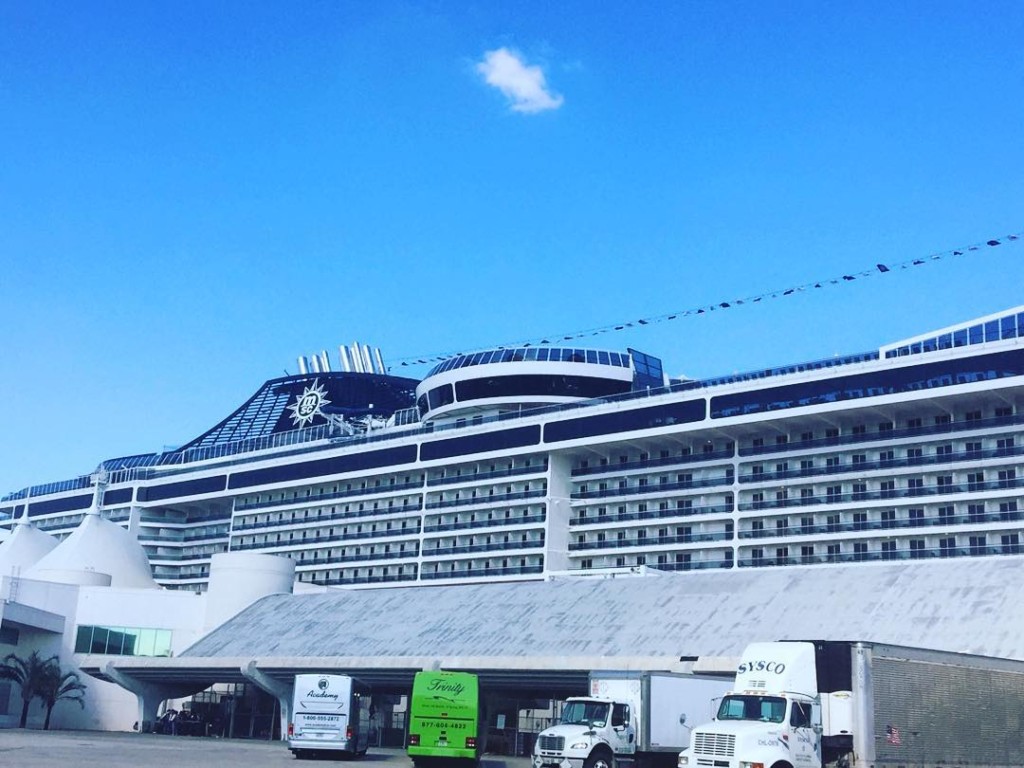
(469, 477)
(536, 517)
(877, 556)
(350, 558)
(865, 466)
(593, 518)
(660, 461)
(945, 489)
(244, 506)
(322, 539)
(496, 498)
(950, 427)
(410, 509)
(883, 525)
(659, 487)
(494, 546)
(650, 541)
(479, 572)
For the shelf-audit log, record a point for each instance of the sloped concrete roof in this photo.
(546, 636)
(963, 605)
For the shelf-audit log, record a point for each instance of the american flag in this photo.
(892, 735)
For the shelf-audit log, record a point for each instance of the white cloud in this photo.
(524, 86)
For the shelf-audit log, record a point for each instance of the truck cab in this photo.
(771, 718)
(591, 732)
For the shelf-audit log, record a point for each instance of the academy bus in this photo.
(446, 719)
(330, 713)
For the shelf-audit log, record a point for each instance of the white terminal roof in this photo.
(546, 636)
(962, 605)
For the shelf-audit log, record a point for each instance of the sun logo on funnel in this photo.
(308, 405)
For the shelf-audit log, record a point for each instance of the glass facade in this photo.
(123, 641)
(549, 354)
(1007, 327)
(888, 382)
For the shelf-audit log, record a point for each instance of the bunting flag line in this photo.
(878, 269)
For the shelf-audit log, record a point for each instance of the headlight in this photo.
(580, 745)
(683, 761)
(745, 764)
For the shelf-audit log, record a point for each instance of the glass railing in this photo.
(514, 472)
(635, 490)
(863, 557)
(650, 541)
(478, 572)
(327, 496)
(866, 466)
(661, 461)
(654, 514)
(497, 498)
(330, 518)
(885, 435)
(461, 526)
(495, 546)
(354, 558)
(312, 540)
(883, 525)
(901, 493)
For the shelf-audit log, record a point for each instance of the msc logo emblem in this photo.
(323, 684)
(309, 404)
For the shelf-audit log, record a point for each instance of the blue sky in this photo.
(193, 194)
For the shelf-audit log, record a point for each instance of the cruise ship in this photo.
(525, 463)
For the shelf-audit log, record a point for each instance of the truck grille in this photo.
(716, 744)
(552, 743)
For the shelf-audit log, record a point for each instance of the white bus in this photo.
(330, 713)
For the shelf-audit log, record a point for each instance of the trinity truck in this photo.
(330, 713)
(864, 705)
(446, 719)
(640, 719)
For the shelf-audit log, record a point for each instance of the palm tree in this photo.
(30, 674)
(58, 686)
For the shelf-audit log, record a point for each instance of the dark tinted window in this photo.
(909, 379)
(538, 385)
(493, 441)
(405, 454)
(625, 421)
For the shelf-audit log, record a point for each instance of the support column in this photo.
(149, 695)
(281, 691)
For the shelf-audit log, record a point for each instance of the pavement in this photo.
(24, 748)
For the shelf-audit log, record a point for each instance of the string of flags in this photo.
(878, 269)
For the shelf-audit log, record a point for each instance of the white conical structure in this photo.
(26, 546)
(96, 546)
(97, 553)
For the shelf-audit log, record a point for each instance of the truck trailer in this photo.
(639, 719)
(864, 705)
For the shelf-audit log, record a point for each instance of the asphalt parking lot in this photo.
(22, 748)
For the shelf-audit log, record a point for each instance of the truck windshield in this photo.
(585, 713)
(765, 709)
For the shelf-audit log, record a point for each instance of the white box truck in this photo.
(864, 705)
(633, 718)
(330, 713)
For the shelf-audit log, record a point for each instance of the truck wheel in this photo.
(599, 760)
